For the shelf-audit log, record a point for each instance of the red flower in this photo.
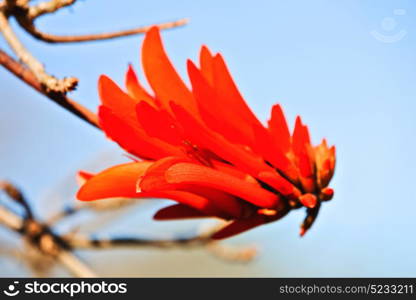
(205, 149)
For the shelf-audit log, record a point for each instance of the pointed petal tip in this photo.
(191, 67)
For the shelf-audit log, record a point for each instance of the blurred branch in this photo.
(79, 241)
(42, 237)
(14, 193)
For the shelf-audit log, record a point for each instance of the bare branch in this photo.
(233, 253)
(10, 219)
(51, 38)
(75, 265)
(47, 7)
(79, 241)
(14, 193)
(40, 236)
(29, 78)
(50, 83)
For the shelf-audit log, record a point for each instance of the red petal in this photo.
(118, 181)
(300, 137)
(227, 89)
(156, 180)
(134, 140)
(280, 184)
(206, 62)
(121, 104)
(303, 151)
(178, 211)
(279, 129)
(135, 89)
(189, 173)
(238, 226)
(216, 114)
(161, 75)
(231, 170)
(205, 138)
(159, 124)
(224, 202)
(192, 200)
(271, 152)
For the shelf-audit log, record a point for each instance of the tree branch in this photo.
(40, 236)
(47, 7)
(50, 83)
(51, 38)
(29, 78)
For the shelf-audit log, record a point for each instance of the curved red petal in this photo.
(159, 124)
(202, 136)
(215, 113)
(121, 104)
(156, 180)
(162, 76)
(178, 211)
(118, 181)
(133, 139)
(206, 63)
(189, 173)
(238, 226)
(278, 128)
(231, 97)
(135, 89)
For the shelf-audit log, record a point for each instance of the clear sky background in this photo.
(347, 67)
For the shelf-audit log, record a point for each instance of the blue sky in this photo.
(327, 61)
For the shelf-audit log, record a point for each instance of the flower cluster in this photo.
(205, 149)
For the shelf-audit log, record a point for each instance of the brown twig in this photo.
(47, 7)
(48, 82)
(29, 78)
(26, 16)
(51, 38)
(35, 74)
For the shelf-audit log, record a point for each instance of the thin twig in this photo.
(51, 38)
(40, 236)
(79, 241)
(47, 7)
(66, 212)
(48, 82)
(35, 74)
(29, 78)
(45, 243)
(14, 193)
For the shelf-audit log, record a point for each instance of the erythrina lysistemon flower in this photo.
(205, 149)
